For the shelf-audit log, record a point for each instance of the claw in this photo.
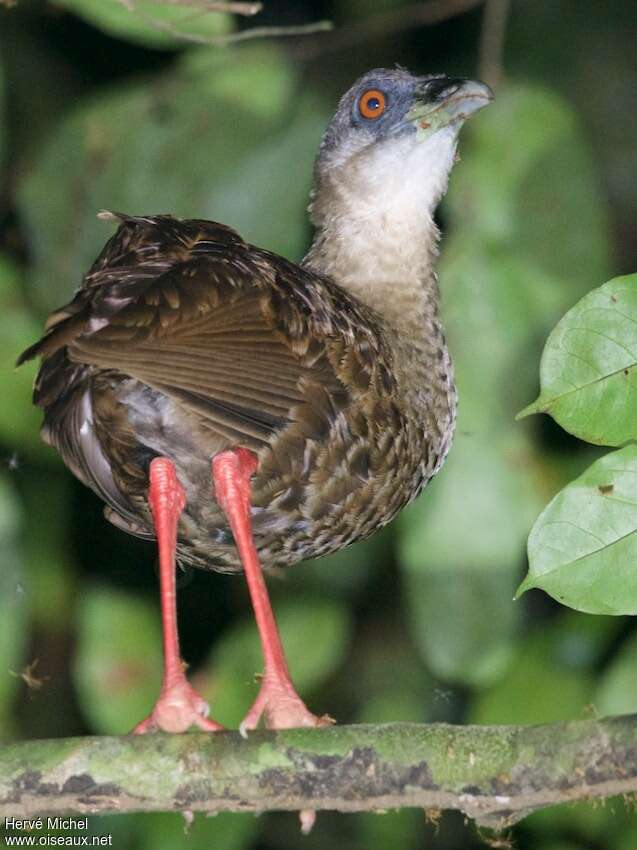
(282, 706)
(178, 708)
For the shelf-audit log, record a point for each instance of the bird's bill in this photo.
(453, 103)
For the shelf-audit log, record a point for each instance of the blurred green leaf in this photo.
(19, 419)
(391, 683)
(118, 662)
(3, 121)
(12, 602)
(316, 636)
(461, 544)
(628, 840)
(583, 546)
(51, 565)
(527, 182)
(347, 572)
(617, 689)
(587, 373)
(461, 549)
(197, 143)
(395, 830)
(583, 640)
(601, 823)
(538, 687)
(225, 830)
(151, 23)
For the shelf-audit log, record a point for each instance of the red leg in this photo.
(179, 706)
(277, 698)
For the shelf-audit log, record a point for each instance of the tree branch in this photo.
(384, 24)
(492, 41)
(494, 774)
(200, 8)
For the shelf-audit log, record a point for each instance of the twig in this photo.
(492, 41)
(230, 7)
(388, 23)
(494, 774)
(272, 32)
(206, 7)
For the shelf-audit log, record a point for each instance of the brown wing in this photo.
(232, 333)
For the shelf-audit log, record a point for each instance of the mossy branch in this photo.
(494, 774)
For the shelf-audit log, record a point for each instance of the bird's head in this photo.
(394, 136)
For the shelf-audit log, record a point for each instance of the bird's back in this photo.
(184, 341)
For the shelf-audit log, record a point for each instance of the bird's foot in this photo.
(178, 708)
(282, 706)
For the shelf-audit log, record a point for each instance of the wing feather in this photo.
(234, 334)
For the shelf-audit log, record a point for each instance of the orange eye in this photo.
(372, 103)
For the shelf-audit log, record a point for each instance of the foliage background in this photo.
(97, 111)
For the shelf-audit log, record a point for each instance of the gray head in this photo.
(384, 105)
(382, 167)
(393, 134)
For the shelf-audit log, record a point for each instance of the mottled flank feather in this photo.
(184, 340)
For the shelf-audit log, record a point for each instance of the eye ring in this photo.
(372, 104)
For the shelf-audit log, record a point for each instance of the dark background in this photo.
(417, 623)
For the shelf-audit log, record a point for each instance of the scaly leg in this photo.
(179, 706)
(277, 698)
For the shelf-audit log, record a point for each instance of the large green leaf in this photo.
(587, 373)
(152, 23)
(199, 142)
(117, 667)
(583, 546)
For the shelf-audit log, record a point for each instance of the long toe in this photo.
(282, 707)
(178, 708)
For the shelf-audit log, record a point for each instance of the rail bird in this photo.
(249, 412)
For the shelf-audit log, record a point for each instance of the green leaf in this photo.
(617, 689)
(588, 370)
(393, 830)
(49, 560)
(459, 587)
(539, 687)
(347, 572)
(117, 668)
(527, 182)
(462, 543)
(500, 294)
(151, 23)
(19, 419)
(391, 683)
(315, 634)
(193, 143)
(12, 602)
(3, 121)
(227, 830)
(583, 546)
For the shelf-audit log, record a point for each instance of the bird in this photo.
(248, 412)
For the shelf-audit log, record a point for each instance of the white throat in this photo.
(376, 234)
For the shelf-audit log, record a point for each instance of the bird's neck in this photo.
(377, 238)
(386, 264)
